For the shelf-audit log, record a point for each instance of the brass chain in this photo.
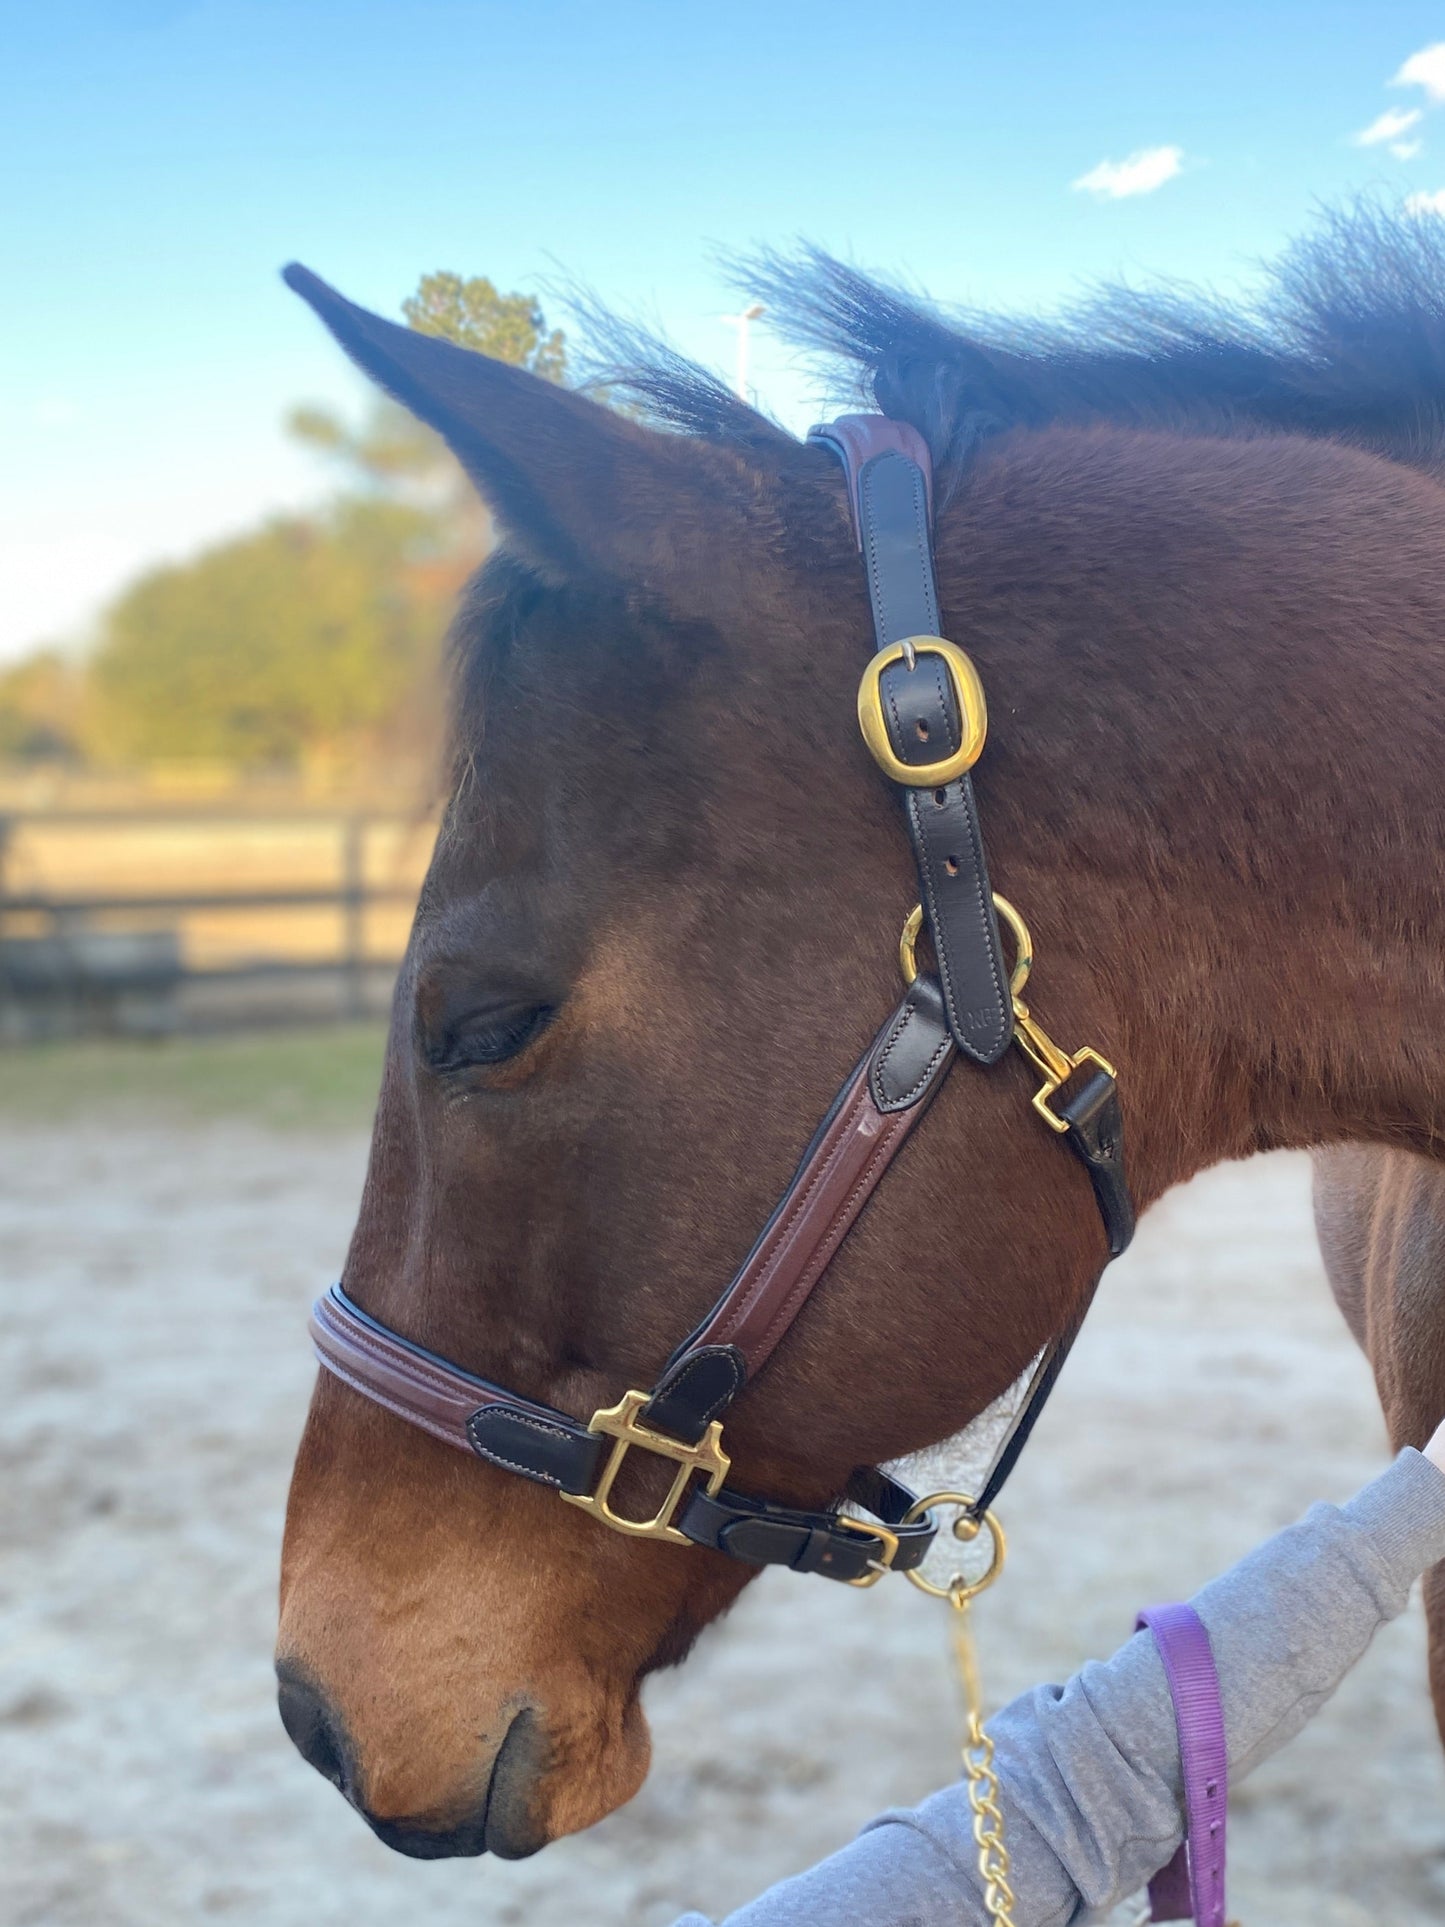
(960, 1592)
(988, 1827)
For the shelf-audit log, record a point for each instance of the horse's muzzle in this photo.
(502, 1824)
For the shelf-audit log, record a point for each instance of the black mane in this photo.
(1347, 340)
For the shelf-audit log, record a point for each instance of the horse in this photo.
(1198, 557)
(1380, 1215)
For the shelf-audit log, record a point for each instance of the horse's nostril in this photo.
(313, 1728)
(511, 1828)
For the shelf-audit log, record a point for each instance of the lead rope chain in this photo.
(988, 1823)
(993, 1861)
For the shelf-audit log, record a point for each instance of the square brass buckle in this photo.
(619, 1422)
(868, 1529)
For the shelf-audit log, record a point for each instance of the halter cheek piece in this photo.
(921, 710)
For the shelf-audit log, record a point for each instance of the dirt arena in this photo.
(155, 1266)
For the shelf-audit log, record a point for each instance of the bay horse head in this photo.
(661, 918)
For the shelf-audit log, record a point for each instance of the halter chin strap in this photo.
(921, 709)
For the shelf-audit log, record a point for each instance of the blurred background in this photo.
(227, 573)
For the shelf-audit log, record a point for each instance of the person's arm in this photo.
(1089, 1773)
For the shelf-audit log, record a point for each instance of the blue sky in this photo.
(164, 158)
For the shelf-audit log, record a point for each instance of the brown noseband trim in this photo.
(411, 1382)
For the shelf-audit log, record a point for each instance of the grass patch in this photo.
(325, 1077)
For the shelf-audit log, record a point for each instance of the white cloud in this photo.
(1141, 173)
(1426, 203)
(1394, 122)
(1406, 150)
(1425, 69)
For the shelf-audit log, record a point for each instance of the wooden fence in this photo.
(150, 917)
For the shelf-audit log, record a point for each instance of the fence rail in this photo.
(177, 905)
(71, 937)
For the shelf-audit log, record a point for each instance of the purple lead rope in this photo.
(1191, 1887)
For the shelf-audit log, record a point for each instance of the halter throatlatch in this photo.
(922, 712)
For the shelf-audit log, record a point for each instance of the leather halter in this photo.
(922, 714)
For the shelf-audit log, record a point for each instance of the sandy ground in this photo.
(155, 1374)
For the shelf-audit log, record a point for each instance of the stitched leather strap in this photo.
(875, 1111)
(1191, 1887)
(1095, 1135)
(454, 1406)
(889, 479)
(553, 1449)
(772, 1535)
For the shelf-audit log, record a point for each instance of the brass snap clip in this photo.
(1053, 1064)
(966, 1528)
(988, 1821)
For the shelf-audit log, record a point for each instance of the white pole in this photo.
(742, 322)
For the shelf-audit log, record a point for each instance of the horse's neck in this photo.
(1221, 780)
(1293, 993)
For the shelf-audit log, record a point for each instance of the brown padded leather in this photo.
(858, 438)
(406, 1380)
(873, 1114)
(829, 1192)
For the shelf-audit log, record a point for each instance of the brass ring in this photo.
(958, 1589)
(908, 943)
(1017, 929)
(1023, 945)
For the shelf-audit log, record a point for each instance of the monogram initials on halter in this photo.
(922, 713)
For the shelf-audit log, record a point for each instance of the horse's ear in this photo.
(573, 485)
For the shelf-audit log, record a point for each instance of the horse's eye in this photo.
(488, 1036)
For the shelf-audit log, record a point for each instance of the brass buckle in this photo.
(619, 1422)
(967, 695)
(869, 1530)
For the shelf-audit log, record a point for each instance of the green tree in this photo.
(307, 634)
(390, 451)
(508, 327)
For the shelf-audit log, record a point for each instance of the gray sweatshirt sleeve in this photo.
(1089, 1772)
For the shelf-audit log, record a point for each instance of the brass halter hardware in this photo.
(889, 1541)
(966, 1529)
(619, 1422)
(1053, 1064)
(968, 697)
(988, 1822)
